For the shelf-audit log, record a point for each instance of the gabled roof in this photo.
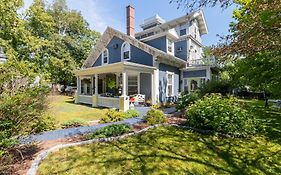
(109, 33)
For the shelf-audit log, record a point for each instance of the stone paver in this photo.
(70, 132)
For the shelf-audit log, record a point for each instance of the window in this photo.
(132, 85)
(195, 32)
(170, 46)
(182, 32)
(193, 85)
(126, 54)
(170, 84)
(105, 56)
(185, 85)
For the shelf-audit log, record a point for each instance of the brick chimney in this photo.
(130, 21)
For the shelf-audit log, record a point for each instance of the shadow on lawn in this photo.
(170, 150)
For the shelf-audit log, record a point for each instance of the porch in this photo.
(111, 85)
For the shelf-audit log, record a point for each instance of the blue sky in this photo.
(102, 13)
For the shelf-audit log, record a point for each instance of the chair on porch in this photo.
(137, 99)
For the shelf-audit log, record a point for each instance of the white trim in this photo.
(173, 83)
(102, 57)
(122, 51)
(167, 46)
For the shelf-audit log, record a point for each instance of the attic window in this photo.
(126, 54)
(182, 32)
(105, 56)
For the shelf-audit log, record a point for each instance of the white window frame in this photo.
(173, 83)
(122, 51)
(105, 50)
(138, 81)
(172, 45)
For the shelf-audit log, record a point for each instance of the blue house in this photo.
(160, 62)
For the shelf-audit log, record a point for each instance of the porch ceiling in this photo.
(115, 68)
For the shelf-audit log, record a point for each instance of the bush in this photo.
(111, 131)
(221, 114)
(131, 113)
(23, 103)
(217, 86)
(113, 116)
(154, 116)
(186, 100)
(74, 123)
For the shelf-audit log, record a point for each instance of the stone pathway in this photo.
(70, 132)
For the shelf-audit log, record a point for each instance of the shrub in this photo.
(23, 103)
(131, 113)
(221, 114)
(186, 100)
(217, 86)
(154, 116)
(113, 116)
(74, 123)
(111, 131)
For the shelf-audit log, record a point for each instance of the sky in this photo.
(102, 13)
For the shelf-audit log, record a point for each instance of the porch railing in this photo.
(210, 61)
(109, 102)
(86, 99)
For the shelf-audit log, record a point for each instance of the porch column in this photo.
(95, 95)
(124, 84)
(96, 84)
(92, 86)
(155, 82)
(78, 91)
(124, 99)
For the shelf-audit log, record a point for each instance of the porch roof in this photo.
(115, 68)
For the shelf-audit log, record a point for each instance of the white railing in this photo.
(109, 102)
(211, 61)
(85, 99)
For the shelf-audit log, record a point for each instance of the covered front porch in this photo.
(111, 85)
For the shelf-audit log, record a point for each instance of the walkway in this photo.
(70, 132)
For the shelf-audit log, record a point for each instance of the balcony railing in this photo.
(211, 61)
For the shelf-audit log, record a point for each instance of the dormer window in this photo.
(125, 51)
(182, 32)
(105, 56)
(170, 46)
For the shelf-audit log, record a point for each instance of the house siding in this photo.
(137, 55)
(141, 57)
(197, 73)
(159, 43)
(163, 68)
(181, 54)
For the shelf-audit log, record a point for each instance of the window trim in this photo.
(173, 83)
(102, 61)
(172, 45)
(138, 82)
(122, 51)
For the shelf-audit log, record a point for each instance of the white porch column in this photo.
(124, 84)
(153, 84)
(208, 73)
(92, 86)
(155, 81)
(124, 99)
(96, 84)
(95, 95)
(78, 91)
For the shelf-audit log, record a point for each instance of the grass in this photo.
(171, 150)
(64, 109)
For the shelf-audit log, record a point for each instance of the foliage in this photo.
(55, 39)
(111, 131)
(156, 106)
(225, 115)
(154, 116)
(74, 123)
(22, 103)
(186, 100)
(113, 116)
(131, 113)
(217, 86)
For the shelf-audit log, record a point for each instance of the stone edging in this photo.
(36, 162)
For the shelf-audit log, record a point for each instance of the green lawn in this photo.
(64, 109)
(170, 150)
